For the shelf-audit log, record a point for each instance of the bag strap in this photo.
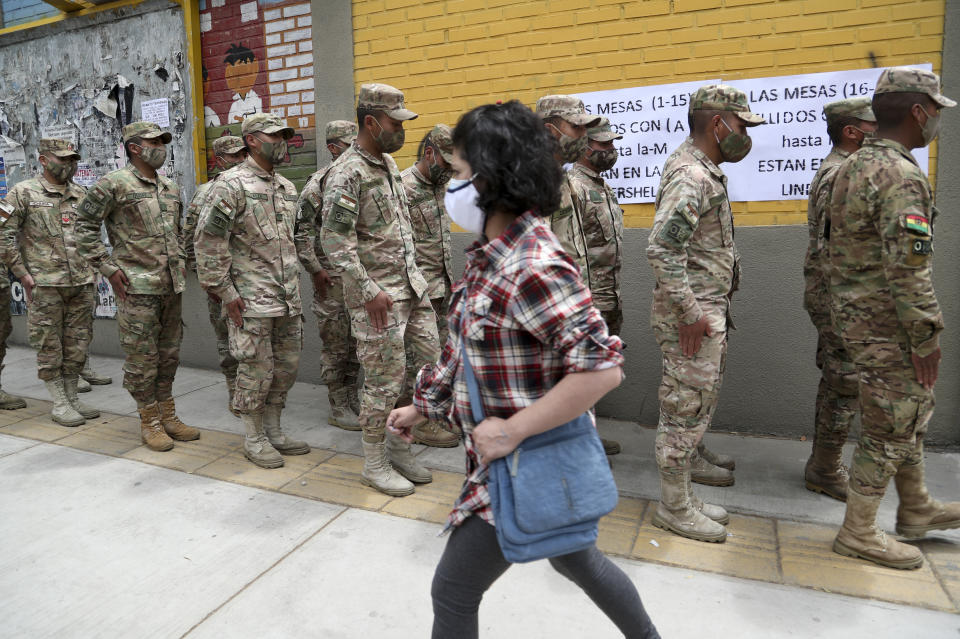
(473, 387)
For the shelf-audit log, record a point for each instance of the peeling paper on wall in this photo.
(12, 152)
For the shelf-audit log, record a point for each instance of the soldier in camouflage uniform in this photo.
(7, 401)
(425, 184)
(697, 270)
(849, 123)
(39, 245)
(340, 366)
(228, 152)
(368, 238)
(141, 211)
(884, 307)
(247, 257)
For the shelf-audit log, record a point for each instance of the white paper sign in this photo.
(156, 111)
(653, 122)
(12, 152)
(66, 132)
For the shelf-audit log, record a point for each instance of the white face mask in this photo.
(460, 201)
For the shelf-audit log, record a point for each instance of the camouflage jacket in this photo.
(190, 223)
(39, 237)
(142, 217)
(366, 231)
(691, 245)
(309, 223)
(881, 250)
(566, 223)
(244, 241)
(603, 229)
(431, 231)
(816, 296)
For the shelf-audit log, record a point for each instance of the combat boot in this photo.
(716, 513)
(703, 472)
(378, 473)
(430, 433)
(83, 386)
(919, 513)
(610, 447)
(172, 424)
(341, 413)
(256, 446)
(717, 459)
(151, 430)
(70, 386)
(92, 377)
(63, 411)
(676, 512)
(283, 444)
(825, 472)
(405, 463)
(861, 538)
(10, 402)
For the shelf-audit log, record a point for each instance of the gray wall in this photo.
(332, 67)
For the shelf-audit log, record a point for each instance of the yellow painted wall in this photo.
(449, 56)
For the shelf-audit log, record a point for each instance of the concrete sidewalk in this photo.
(106, 538)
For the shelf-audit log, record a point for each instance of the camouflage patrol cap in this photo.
(601, 132)
(858, 108)
(441, 136)
(266, 122)
(343, 130)
(383, 97)
(907, 80)
(227, 144)
(568, 107)
(146, 130)
(722, 97)
(59, 148)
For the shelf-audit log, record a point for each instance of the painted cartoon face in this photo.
(241, 76)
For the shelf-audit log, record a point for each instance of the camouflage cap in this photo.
(858, 108)
(148, 130)
(227, 144)
(383, 97)
(442, 137)
(59, 148)
(268, 123)
(601, 132)
(722, 97)
(343, 130)
(568, 107)
(907, 80)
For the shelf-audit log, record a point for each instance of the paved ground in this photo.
(105, 538)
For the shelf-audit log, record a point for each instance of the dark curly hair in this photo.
(512, 155)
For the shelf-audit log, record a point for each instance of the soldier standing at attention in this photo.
(425, 183)
(141, 211)
(228, 152)
(849, 123)
(39, 244)
(883, 305)
(246, 256)
(338, 357)
(697, 269)
(367, 237)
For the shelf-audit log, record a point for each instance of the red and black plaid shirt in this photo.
(529, 321)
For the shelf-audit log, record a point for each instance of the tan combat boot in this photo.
(151, 430)
(83, 386)
(11, 402)
(430, 433)
(404, 462)
(172, 424)
(717, 459)
(716, 513)
(70, 386)
(825, 472)
(676, 513)
(378, 473)
(63, 411)
(283, 444)
(918, 512)
(341, 413)
(92, 376)
(256, 446)
(703, 472)
(861, 538)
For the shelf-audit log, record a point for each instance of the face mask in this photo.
(460, 201)
(603, 160)
(390, 142)
(62, 171)
(735, 146)
(570, 148)
(339, 150)
(867, 135)
(273, 151)
(228, 163)
(930, 128)
(153, 156)
(438, 174)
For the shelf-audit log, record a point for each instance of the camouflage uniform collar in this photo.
(130, 167)
(896, 146)
(251, 165)
(369, 157)
(590, 173)
(420, 177)
(50, 187)
(496, 251)
(707, 162)
(843, 153)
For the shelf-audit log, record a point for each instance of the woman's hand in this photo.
(402, 421)
(493, 439)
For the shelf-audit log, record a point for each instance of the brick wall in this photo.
(451, 56)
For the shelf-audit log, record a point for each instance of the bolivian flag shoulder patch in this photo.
(347, 202)
(918, 224)
(6, 210)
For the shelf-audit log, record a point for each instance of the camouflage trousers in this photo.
(688, 393)
(60, 324)
(441, 306)
(837, 394)
(151, 328)
(340, 368)
(267, 350)
(391, 359)
(6, 326)
(228, 365)
(614, 320)
(895, 411)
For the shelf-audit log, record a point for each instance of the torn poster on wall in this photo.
(156, 111)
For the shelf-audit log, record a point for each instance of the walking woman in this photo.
(540, 351)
